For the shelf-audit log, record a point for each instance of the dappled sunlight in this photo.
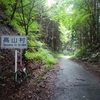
(50, 3)
(69, 9)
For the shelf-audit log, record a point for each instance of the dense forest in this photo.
(62, 25)
(53, 27)
(69, 27)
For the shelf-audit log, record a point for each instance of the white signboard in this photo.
(14, 42)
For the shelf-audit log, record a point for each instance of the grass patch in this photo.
(43, 55)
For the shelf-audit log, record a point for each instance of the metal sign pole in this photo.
(14, 42)
(21, 54)
(21, 57)
(15, 60)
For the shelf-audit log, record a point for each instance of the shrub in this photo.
(43, 55)
(79, 53)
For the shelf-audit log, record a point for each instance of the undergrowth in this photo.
(88, 54)
(42, 55)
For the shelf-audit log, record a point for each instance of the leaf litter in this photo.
(33, 89)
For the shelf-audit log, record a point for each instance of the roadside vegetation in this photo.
(61, 27)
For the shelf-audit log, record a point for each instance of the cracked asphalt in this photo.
(75, 83)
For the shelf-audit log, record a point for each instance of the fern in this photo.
(43, 55)
(83, 18)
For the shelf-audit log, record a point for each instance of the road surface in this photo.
(75, 83)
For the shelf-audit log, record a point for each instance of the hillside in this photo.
(8, 54)
(37, 83)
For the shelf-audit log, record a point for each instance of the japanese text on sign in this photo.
(14, 42)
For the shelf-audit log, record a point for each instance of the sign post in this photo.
(14, 42)
(20, 56)
(15, 61)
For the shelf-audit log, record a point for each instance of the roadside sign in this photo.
(17, 42)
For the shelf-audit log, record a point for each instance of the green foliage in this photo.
(43, 55)
(34, 45)
(79, 53)
(8, 4)
(16, 24)
(1, 57)
(96, 55)
(31, 44)
(67, 53)
(24, 15)
(34, 37)
(29, 55)
(84, 17)
(34, 27)
(64, 33)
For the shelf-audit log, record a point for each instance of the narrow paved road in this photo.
(75, 83)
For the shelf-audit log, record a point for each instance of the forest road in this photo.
(75, 83)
